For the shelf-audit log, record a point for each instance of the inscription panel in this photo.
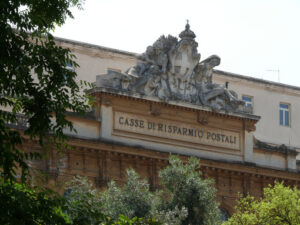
(169, 129)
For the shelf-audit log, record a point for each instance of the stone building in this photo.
(245, 131)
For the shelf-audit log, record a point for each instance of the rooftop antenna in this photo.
(278, 73)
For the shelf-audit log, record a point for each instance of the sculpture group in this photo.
(171, 70)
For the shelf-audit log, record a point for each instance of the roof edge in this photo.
(88, 45)
(254, 79)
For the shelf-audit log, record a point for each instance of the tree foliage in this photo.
(24, 205)
(185, 198)
(34, 79)
(83, 204)
(86, 205)
(182, 186)
(280, 205)
(124, 220)
(133, 199)
(36, 82)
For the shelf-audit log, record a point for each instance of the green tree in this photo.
(24, 205)
(133, 199)
(83, 204)
(34, 79)
(280, 205)
(123, 220)
(130, 204)
(185, 198)
(182, 186)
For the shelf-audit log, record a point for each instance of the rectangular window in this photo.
(248, 101)
(284, 114)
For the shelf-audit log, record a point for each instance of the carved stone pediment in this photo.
(171, 70)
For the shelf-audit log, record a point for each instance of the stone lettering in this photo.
(174, 129)
(208, 135)
(226, 139)
(184, 130)
(126, 122)
(200, 133)
(160, 127)
(121, 120)
(177, 131)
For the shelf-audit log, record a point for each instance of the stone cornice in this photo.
(153, 154)
(275, 148)
(176, 104)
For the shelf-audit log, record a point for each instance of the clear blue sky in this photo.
(250, 36)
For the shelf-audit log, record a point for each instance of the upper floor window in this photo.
(248, 100)
(284, 114)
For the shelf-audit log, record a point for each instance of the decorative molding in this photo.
(155, 110)
(202, 118)
(107, 102)
(171, 70)
(249, 126)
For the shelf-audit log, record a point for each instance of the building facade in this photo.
(244, 130)
(265, 96)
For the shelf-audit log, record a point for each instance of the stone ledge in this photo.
(171, 102)
(142, 147)
(275, 148)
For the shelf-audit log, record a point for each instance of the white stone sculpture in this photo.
(170, 70)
